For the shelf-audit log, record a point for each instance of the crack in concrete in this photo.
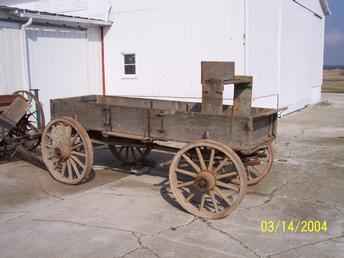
(86, 225)
(298, 161)
(175, 228)
(230, 236)
(14, 218)
(270, 196)
(305, 245)
(136, 235)
(140, 246)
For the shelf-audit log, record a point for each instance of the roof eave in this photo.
(326, 7)
(53, 18)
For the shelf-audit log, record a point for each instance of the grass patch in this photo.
(333, 81)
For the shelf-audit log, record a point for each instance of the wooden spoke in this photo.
(213, 198)
(228, 186)
(140, 151)
(63, 169)
(127, 152)
(80, 154)
(78, 161)
(190, 197)
(68, 130)
(133, 153)
(191, 163)
(74, 166)
(222, 164)
(222, 195)
(185, 172)
(185, 184)
(227, 175)
(77, 146)
(200, 158)
(254, 171)
(211, 161)
(69, 170)
(201, 207)
(130, 154)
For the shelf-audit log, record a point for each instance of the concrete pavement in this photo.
(123, 215)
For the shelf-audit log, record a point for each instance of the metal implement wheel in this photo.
(259, 165)
(35, 112)
(67, 151)
(130, 154)
(32, 123)
(201, 177)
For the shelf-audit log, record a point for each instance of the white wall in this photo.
(12, 71)
(64, 63)
(170, 41)
(284, 46)
(263, 50)
(301, 57)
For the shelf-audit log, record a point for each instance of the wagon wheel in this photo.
(259, 165)
(67, 151)
(130, 154)
(33, 121)
(201, 177)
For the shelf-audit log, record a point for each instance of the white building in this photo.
(154, 48)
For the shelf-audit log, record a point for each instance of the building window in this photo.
(129, 64)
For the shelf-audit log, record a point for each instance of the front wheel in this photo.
(201, 179)
(131, 153)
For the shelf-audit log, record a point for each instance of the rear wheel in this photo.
(67, 151)
(259, 165)
(201, 177)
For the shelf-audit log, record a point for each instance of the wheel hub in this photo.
(63, 152)
(206, 181)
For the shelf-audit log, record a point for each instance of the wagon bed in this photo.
(167, 123)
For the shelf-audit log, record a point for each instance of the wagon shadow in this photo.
(156, 165)
(168, 196)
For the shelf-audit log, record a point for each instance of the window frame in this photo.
(128, 75)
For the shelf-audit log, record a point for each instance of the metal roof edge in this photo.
(53, 17)
(326, 7)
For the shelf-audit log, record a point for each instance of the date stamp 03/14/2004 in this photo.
(293, 226)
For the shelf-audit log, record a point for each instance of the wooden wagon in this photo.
(220, 149)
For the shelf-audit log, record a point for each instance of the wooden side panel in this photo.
(194, 126)
(89, 114)
(128, 120)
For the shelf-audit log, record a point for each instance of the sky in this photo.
(334, 44)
